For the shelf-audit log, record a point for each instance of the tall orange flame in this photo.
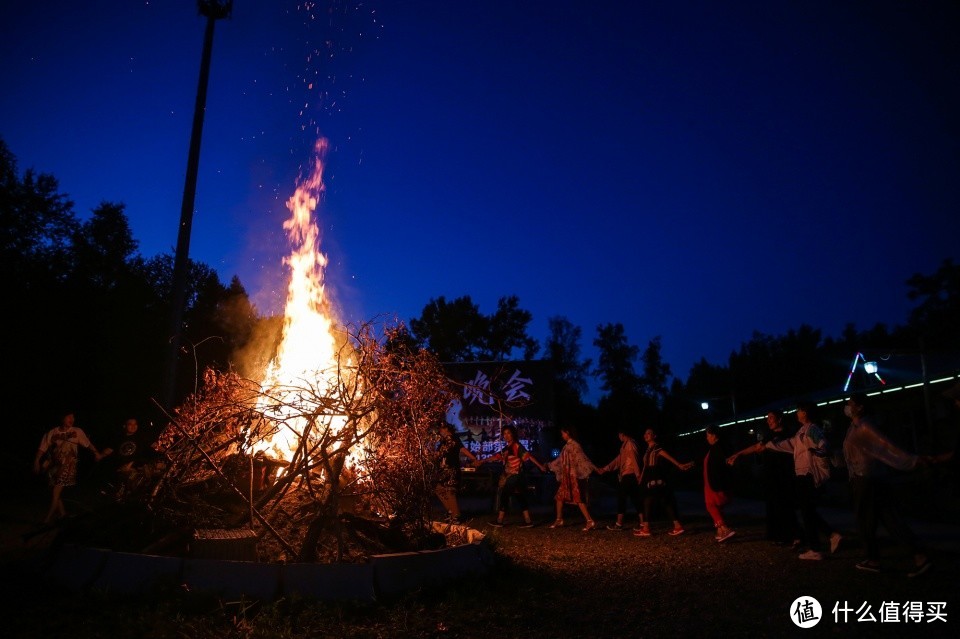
(305, 368)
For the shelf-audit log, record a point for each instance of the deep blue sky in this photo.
(695, 170)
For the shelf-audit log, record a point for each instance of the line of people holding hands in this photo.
(795, 467)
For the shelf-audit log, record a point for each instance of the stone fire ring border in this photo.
(80, 567)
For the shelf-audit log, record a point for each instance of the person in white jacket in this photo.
(868, 455)
(812, 470)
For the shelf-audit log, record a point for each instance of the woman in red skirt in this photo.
(716, 484)
(572, 469)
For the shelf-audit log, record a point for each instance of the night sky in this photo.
(695, 170)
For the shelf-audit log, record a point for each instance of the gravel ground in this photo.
(612, 584)
(547, 583)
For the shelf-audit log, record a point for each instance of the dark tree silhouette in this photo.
(937, 315)
(615, 366)
(453, 331)
(624, 402)
(506, 331)
(570, 379)
(563, 352)
(656, 373)
(90, 314)
(458, 332)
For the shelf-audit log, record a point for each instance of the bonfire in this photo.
(329, 455)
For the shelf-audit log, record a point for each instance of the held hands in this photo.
(930, 460)
(732, 459)
(686, 466)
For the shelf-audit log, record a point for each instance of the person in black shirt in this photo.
(131, 453)
(716, 484)
(778, 482)
(450, 449)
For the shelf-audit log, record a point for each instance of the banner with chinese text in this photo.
(491, 395)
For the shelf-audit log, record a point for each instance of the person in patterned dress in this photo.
(57, 455)
(572, 468)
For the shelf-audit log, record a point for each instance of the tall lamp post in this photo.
(213, 10)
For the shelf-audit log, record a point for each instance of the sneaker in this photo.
(527, 524)
(677, 531)
(725, 535)
(615, 527)
(590, 525)
(557, 524)
(835, 540)
(868, 566)
(922, 568)
(643, 532)
(814, 555)
(495, 524)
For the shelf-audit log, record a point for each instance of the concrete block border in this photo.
(78, 567)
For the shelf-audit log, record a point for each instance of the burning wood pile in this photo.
(330, 470)
(331, 455)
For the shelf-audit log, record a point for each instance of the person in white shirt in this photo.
(57, 455)
(812, 469)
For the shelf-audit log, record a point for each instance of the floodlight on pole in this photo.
(705, 404)
(870, 368)
(212, 10)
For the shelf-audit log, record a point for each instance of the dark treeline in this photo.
(88, 326)
(88, 318)
(639, 388)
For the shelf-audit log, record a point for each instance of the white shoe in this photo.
(814, 555)
(725, 535)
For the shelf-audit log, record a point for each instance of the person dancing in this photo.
(59, 448)
(513, 481)
(716, 484)
(628, 485)
(655, 485)
(572, 468)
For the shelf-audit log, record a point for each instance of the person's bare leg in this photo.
(589, 524)
(56, 505)
(586, 513)
(449, 500)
